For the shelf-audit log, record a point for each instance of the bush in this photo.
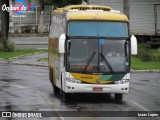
(158, 58)
(146, 57)
(10, 47)
(1, 47)
(143, 52)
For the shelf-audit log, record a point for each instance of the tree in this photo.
(41, 26)
(62, 3)
(56, 3)
(4, 24)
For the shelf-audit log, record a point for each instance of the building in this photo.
(144, 17)
(29, 21)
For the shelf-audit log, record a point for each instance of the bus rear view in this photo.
(95, 50)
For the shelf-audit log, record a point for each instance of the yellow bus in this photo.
(89, 50)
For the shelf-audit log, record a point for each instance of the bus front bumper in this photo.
(96, 88)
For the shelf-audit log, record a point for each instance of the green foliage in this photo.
(146, 54)
(143, 52)
(43, 59)
(155, 55)
(10, 47)
(1, 47)
(138, 64)
(146, 57)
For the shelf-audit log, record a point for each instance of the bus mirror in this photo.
(62, 43)
(133, 45)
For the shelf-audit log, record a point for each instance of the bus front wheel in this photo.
(118, 97)
(65, 96)
(55, 89)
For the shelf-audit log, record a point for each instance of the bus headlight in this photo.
(122, 82)
(72, 80)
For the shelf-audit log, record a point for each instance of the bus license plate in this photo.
(97, 89)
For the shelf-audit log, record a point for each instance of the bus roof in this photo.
(96, 15)
(91, 12)
(87, 7)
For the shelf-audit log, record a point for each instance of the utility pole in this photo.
(4, 24)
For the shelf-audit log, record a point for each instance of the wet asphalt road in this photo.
(27, 88)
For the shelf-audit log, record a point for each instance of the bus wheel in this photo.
(56, 89)
(65, 96)
(50, 74)
(118, 97)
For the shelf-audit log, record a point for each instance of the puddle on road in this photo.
(155, 83)
(10, 80)
(140, 82)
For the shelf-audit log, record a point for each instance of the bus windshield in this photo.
(97, 56)
(97, 29)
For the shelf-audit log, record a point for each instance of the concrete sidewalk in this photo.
(30, 59)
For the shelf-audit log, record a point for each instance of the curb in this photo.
(27, 64)
(142, 71)
(30, 35)
(10, 62)
(21, 56)
(44, 43)
(7, 61)
(40, 65)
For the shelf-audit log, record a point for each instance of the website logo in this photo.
(19, 8)
(22, 7)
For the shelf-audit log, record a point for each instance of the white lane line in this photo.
(140, 106)
(52, 106)
(55, 110)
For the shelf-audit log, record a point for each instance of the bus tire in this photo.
(118, 97)
(56, 90)
(50, 74)
(65, 96)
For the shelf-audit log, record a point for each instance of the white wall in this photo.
(115, 4)
(142, 17)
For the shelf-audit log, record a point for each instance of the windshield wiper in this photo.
(89, 61)
(107, 63)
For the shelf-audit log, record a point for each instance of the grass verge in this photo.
(43, 59)
(138, 64)
(16, 53)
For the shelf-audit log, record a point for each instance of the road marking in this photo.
(140, 106)
(53, 108)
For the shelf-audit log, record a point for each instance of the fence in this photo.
(29, 21)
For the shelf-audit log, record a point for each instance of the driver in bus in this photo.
(113, 53)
